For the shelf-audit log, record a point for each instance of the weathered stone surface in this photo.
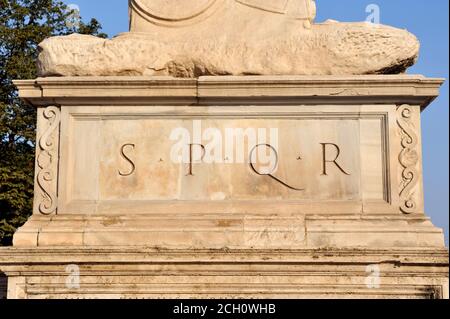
(115, 181)
(115, 222)
(125, 208)
(114, 272)
(235, 17)
(334, 49)
(231, 37)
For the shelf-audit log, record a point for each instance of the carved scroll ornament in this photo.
(409, 158)
(46, 161)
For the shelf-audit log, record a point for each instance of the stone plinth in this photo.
(154, 273)
(339, 214)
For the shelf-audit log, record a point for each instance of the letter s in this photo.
(126, 158)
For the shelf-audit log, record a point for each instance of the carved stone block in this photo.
(135, 173)
(190, 39)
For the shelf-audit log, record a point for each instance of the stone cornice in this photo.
(227, 90)
(139, 255)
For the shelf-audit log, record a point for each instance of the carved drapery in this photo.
(409, 158)
(47, 154)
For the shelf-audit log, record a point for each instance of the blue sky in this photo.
(428, 20)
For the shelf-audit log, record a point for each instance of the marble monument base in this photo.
(340, 215)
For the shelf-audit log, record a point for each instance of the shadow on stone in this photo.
(3, 286)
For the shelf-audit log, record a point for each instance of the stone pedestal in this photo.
(335, 211)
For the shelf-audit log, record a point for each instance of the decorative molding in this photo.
(409, 158)
(47, 155)
(141, 272)
(241, 90)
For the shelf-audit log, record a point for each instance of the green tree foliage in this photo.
(23, 25)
